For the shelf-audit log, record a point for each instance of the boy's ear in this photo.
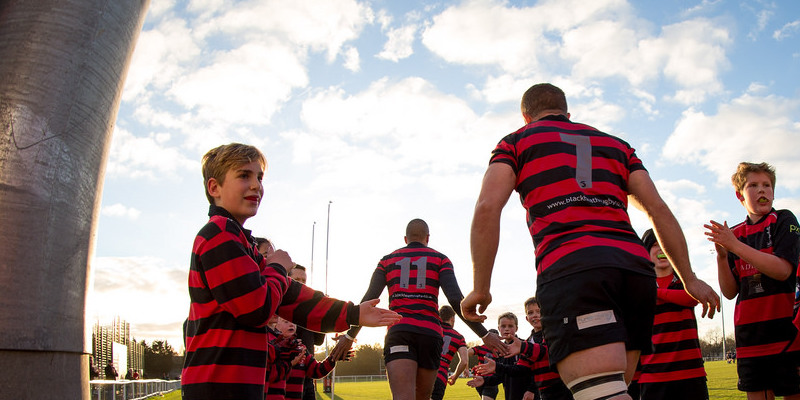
(213, 187)
(739, 196)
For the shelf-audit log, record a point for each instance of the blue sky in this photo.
(390, 110)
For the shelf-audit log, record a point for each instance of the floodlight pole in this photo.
(722, 313)
(327, 245)
(311, 268)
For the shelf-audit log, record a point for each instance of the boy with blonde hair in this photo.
(757, 261)
(234, 290)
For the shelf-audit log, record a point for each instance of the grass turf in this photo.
(721, 386)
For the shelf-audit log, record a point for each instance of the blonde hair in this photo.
(508, 315)
(739, 178)
(219, 160)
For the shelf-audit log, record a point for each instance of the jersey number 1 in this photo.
(583, 158)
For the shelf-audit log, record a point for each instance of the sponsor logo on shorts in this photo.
(398, 349)
(595, 319)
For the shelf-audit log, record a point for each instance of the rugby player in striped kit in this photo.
(413, 274)
(595, 282)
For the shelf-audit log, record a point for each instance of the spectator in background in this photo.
(111, 372)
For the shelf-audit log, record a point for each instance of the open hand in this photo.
(486, 368)
(496, 345)
(369, 315)
(342, 349)
(476, 382)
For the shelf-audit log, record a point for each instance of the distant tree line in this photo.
(159, 359)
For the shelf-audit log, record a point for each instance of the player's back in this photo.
(572, 179)
(412, 278)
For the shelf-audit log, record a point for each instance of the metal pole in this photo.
(722, 312)
(327, 243)
(311, 268)
(62, 69)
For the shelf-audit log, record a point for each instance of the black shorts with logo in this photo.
(423, 349)
(597, 307)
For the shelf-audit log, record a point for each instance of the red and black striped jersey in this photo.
(572, 179)
(676, 347)
(764, 306)
(308, 368)
(414, 275)
(482, 352)
(545, 376)
(233, 294)
(277, 369)
(452, 341)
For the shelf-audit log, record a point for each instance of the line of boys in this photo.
(752, 268)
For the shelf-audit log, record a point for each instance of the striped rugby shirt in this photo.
(764, 306)
(452, 341)
(308, 368)
(676, 347)
(233, 294)
(414, 275)
(572, 179)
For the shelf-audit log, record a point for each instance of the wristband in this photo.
(352, 339)
(487, 334)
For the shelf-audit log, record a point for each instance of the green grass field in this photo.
(721, 386)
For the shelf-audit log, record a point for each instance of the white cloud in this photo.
(736, 133)
(599, 41)
(149, 157)
(320, 26)
(352, 61)
(695, 55)
(161, 55)
(242, 86)
(484, 32)
(399, 43)
(120, 210)
(787, 30)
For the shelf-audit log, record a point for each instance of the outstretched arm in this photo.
(463, 362)
(376, 285)
(644, 196)
(498, 183)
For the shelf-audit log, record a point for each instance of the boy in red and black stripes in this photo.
(413, 275)
(453, 344)
(675, 369)
(234, 290)
(487, 392)
(306, 367)
(757, 264)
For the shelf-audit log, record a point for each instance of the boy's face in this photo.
(241, 192)
(266, 249)
(757, 195)
(298, 275)
(659, 259)
(534, 316)
(287, 328)
(507, 327)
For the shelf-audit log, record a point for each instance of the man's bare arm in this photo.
(644, 196)
(498, 183)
